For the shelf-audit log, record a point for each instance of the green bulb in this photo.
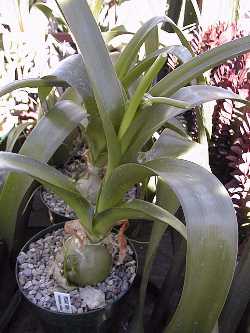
(86, 265)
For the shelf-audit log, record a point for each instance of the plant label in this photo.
(63, 303)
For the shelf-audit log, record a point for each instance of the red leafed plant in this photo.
(239, 162)
(230, 140)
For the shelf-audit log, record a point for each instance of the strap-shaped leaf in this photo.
(44, 8)
(136, 209)
(73, 71)
(152, 41)
(167, 199)
(131, 50)
(211, 243)
(11, 162)
(198, 65)
(96, 58)
(31, 83)
(122, 179)
(152, 118)
(181, 52)
(169, 144)
(41, 145)
(211, 231)
(205, 93)
(137, 97)
(50, 178)
(149, 100)
(172, 145)
(15, 134)
(176, 126)
(107, 89)
(115, 32)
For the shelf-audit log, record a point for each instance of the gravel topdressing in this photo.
(57, 205)
(60, 207)
(73, 168)
(39, 285)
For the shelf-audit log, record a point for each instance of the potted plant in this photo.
(121, 111)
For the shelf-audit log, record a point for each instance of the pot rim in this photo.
(42, 233)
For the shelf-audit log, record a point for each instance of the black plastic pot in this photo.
(102, 320)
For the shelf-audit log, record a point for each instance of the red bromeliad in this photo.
(230, 140)
(239, 162)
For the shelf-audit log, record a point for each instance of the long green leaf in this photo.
(15, 134)
(211, 244)
(152, 41)
(212, 236)
(50, 178)
(167, 199)
(136, 209)
(149, 100)
(45, 9)
(73, 71)
(169, 144)
(152, 118)
(110, 99)
(135, 100)
(11, 162)
(205, 93)
(122, 179)
(172, 145)
(115, 32)
(181, 52)
(41, 145)
(198, 65)
(96, 58)
(131, 50)
(31, 83)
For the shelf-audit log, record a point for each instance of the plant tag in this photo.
(63, 303)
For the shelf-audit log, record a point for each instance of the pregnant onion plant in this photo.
(126, 112)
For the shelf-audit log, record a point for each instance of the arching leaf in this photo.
(198, 65)
(136, 209)
(111, 101)
(131, 50)
(41, 145)
(150, 119)
(181, 52)
(50, 178)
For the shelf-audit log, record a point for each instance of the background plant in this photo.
(230, 132)
(23, 55)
